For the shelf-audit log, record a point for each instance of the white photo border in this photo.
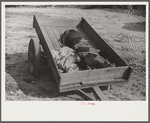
(72, 110)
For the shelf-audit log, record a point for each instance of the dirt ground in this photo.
(125, 34)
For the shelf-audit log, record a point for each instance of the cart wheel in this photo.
(34, 57)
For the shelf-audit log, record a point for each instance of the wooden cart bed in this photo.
(49, 31)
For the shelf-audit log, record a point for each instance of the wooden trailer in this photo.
(49, 30)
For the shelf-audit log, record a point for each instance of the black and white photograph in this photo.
(78, 52)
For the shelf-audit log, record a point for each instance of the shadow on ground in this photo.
(139, 26)
(44, 86)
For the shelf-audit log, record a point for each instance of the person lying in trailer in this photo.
(65, 58)
(90, 58)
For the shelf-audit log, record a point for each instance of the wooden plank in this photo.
(49, 21)
(108, 92)
(92, 75)
(61, 30)
(53, 37)
(99, 81)
(46, 38)
(70, 86)
(51, 62)
(56, 32)
(99, 93)
(86, 96)
(47, 45)
(85, 28)
(78, 85)
(64, 89)
(79, 76)
(74, 77)
(42, 34)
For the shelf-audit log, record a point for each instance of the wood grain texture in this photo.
(56, 33)
(100, 93)
(92, 75)
(54, 39)
(49, 31)
(98, 42)
(47, 45)
(86, 96)
(64, 88)
(46, 38)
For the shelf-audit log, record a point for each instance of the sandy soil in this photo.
(126, 35)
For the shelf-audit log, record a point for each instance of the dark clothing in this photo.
(89, 55)
(70, 38)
